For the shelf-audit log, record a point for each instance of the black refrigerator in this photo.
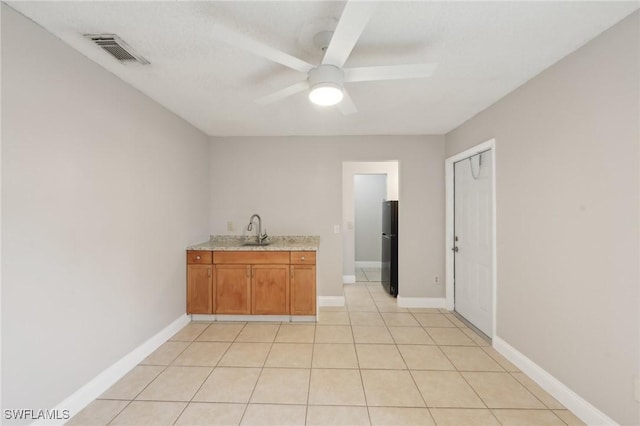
(390, 247)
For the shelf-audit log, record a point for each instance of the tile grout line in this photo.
(360, 370)
(119, 412)
(206, 378)
(313, 346)
(261, 370)
(212, 368)
(218, 363)
(413, 380)
(464, 378)
(534, 395)
(165, 367)
(454, 366)
(364, 391)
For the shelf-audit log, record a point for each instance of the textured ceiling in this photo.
(484, 50)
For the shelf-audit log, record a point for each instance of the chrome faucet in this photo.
(260, 237)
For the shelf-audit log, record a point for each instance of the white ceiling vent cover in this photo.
(117, 48)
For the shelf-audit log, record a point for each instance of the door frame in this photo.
(450, 220)
(349, 169)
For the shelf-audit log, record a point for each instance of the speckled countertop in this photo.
(277, 243)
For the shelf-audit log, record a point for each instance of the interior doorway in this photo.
(370, 190)
(471, 254)
(350, 169)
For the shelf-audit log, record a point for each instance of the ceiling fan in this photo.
(325, 81)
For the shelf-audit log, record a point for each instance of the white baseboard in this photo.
(368, 264)
(567, 397)
(421, 302)
(331, 301)
(103, 381)
(348, 279)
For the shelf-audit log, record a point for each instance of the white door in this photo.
(473, 221)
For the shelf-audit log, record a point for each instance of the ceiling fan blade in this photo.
(354, 18)
(391, 72)
(284, 93)
(260, 49)
(346, 106)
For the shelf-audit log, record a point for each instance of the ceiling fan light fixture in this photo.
(325, 82)
(326, 94)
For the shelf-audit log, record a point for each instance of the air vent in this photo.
(116, 47)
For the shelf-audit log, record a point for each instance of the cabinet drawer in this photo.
(199, 256)
(303, 257)
(251, 257)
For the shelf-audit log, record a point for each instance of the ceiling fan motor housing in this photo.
(326, 74)
(325, 82)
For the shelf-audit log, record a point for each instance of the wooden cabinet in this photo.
(199, 283)
(266, 281)
(232, 285)
(270, 290)
(251, 282)
(303, 283)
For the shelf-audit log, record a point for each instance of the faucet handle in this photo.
(264, 236)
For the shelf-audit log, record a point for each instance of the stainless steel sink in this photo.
(256, 244)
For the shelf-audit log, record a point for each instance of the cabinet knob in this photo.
(302, 258)
(197, 257)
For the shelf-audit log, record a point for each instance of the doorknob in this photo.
(455, 249)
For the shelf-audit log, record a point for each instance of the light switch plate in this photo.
(336, 229)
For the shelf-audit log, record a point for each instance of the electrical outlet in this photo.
(336, 229)
(436, 280)
(230, 226)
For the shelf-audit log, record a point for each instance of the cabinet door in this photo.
(303, 290)
(270, 290)
(232, 288)
(199, 294)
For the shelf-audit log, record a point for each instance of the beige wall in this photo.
(567, 209)
(102, 189)
(295, 184)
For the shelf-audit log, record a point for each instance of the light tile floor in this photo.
(368, 363)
